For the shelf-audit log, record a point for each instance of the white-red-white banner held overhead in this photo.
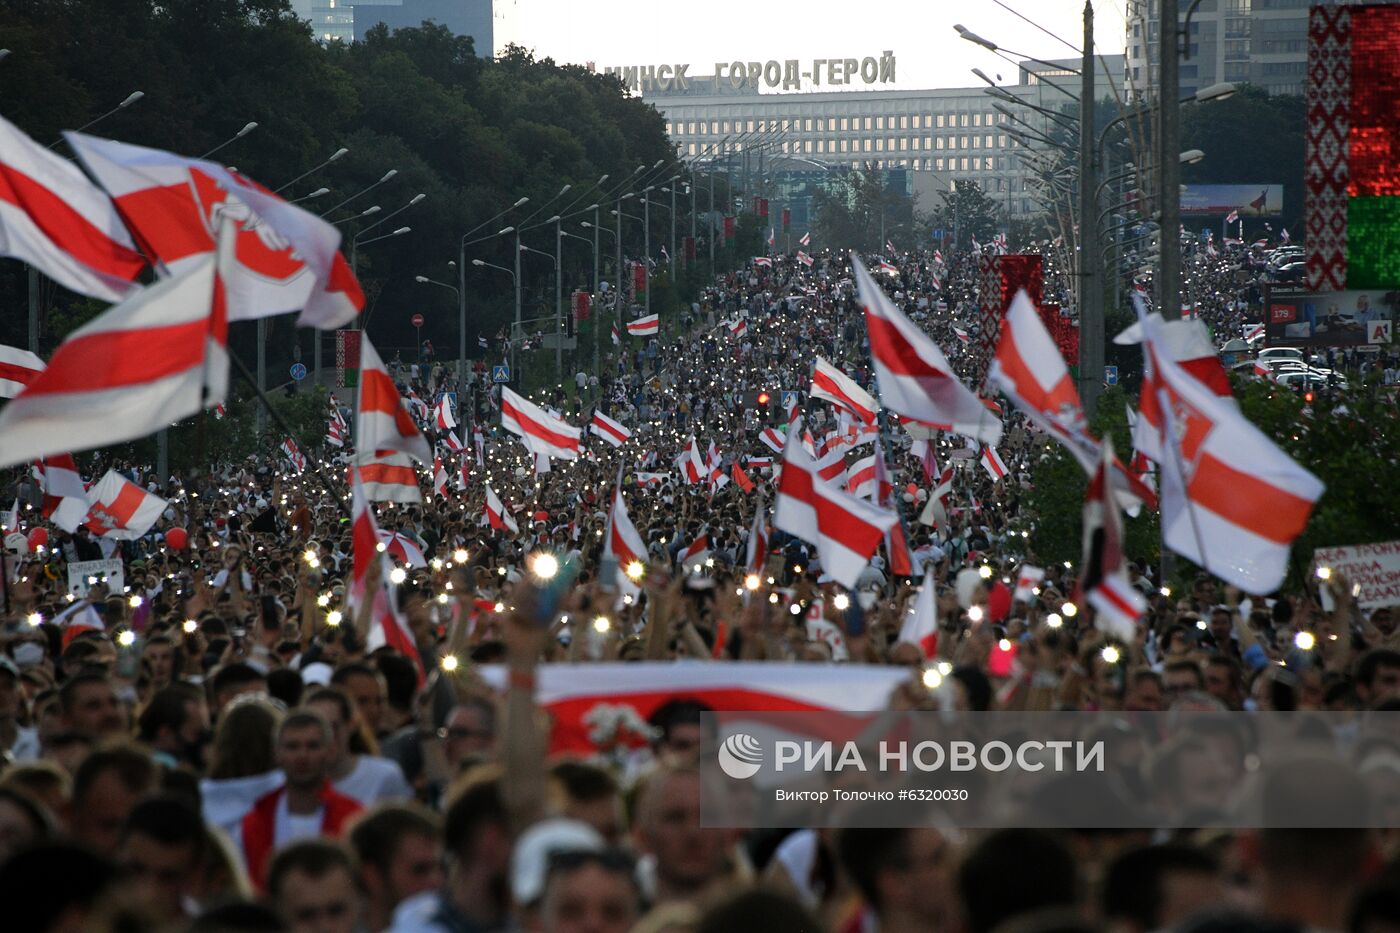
(18, 368)
(846, 530)
(60, 223)
(388, 478)
(913, 375)
(1227, 489)
(543, 434)
(288, 259)
(157, 357)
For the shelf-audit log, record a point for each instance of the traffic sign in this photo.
(1110, 375)
(500, 373)
(789, 400)
(298, 371)
(417, 320)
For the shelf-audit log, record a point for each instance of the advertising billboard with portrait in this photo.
(1299, 318)
(1220, 200)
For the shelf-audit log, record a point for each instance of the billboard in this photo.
(1249, 200)
(1299, 318)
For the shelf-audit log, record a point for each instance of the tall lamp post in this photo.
(515, 281)
(599, 325)
(462, 243)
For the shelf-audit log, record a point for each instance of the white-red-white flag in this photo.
(920, 625)
(914, 377)
(690, 464)
(757, 553)
(293, 453)
(846, 530)
(120, 509)
(439, 478)
(1227, 490)
(287, 259)
(772, 438)
(608, 429)
(806, 239)
(616, 337)
(831, 384)
(1188, 344)
(157, 357)
(992, 463)
(1029, 369)
(384, 423)
(387, 627)
(497, 514)
(388, 478)
(1104, 582)
(442, 415)
(805, 259)
(644, 326)
(763, 261)
(1027, 579)
(336, 427)
(402, 548)
(18, 368)
(622, 542)
(60, 223)
(865, 482)
(542, 433)
(695, 553)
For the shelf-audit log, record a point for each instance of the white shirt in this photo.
(374, 779)
(289, 827)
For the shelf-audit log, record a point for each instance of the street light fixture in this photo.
(307, 197)
(130, 99)
(386, 176)
(338, 154)
(247, 128)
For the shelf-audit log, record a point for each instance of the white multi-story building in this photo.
(491, 23)
(938, 136)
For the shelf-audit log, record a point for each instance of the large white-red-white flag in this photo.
(157, 357)
(608, 429)
(993, 464)
(1231, 500)
(18, 368)
(443, 418)
(622, 542)
(120, 509)
(846, 530)
(60, 223)
(913, 375)
(387, 626)
(831, 384)
(287, 259)
(543, 434)
(1028, 367)
(690, 464)
(384, 424)
(757, 549)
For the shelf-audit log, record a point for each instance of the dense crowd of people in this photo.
(215, 744)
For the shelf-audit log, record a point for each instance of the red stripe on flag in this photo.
(67, 228)
(535, 429)
(1253, 504)
(114, 359)
(388, 473)
(896, 353)
(833, 522)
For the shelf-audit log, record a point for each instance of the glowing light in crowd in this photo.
(1069, 610)
(985, 572)
(191, 626)
(1110, 654)
(449, 662)
(460, 555)
(601, 624)
(333, 617)
(127, 638)
(545, 565)
(841, 602)
(1304, 641)
(932, 678)
(636, 570)
(1053, 620)
(975, 613)
(135, 602)
(1324, 573)
(752, 582)
(323, 600)
(35, 619)
(397, 576)
(1004, 645)
(795, 609)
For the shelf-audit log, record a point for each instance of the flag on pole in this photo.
(757, 554)
(845, 530)
(439, 478)
(1227, 490)
(913, 375)
(287, 258)
(763, 261)
(497, 514)
(695, 553)
(690, 464)
(18, 368)
(889, 247)
(805, 259)
(387, 627)
(1104, 583)
(1027, 579)
(992, 463)
(772, 439)
(833, 385)
(622, 541)
(616, 337)
(60, 223)
(1231, 217)
(738, 327)
(608, 429)
(293, 453)
(105, 384)
(542, 433)
(120, 509)
(402, 548)
(921, 622)
(644, 326)
(741, 479)
(806, 239)
(442, 415)
(336, 428)
(384, 422)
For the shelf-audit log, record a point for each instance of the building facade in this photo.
(937, 136)
(1260, 42)
(490, 23)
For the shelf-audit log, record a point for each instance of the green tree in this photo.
(967, 211)
(854, 209)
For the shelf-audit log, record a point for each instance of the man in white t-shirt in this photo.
(367, 778)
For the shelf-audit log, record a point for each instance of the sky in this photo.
(928, 52)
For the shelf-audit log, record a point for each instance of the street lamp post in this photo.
(558, 354)
(462, 244)
(515, 281)
(1091, 337)
(1169, 169)
(646, 242)
(598, 326)
(247, 128)
(558, 299)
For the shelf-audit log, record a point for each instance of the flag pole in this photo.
(281, 422)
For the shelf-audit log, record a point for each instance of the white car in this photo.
(1281, 353)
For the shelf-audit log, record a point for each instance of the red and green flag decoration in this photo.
(1353, 147)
